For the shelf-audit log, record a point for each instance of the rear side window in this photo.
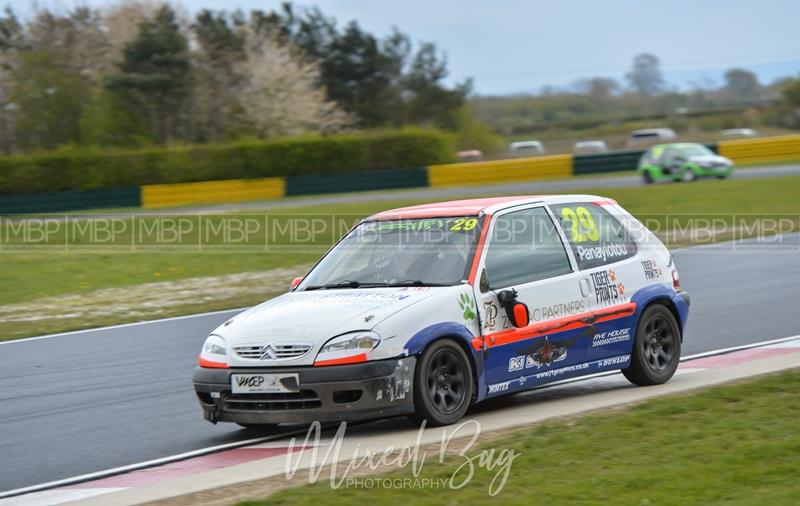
(524, 246)
(595, 236)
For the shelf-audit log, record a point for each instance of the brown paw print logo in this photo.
(612, 275)
(621, 288)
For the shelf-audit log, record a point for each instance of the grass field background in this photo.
(28, 277)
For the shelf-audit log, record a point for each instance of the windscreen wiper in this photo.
(415, 282)
(347, 283)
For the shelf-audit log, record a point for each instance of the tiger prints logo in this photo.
(607, 289)
(651, 269)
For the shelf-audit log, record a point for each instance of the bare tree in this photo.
(11, 41)
(280, 94)
(741, 84)
(645, 75)
(76, 40)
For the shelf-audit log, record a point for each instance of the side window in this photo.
(656, 154)
(524, 246)
(596, 237)
(669, 157)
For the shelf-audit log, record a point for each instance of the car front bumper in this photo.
(326, 394)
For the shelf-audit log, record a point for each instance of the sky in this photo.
(517, 46)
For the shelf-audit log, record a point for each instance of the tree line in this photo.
(138, 73)
(598, 101)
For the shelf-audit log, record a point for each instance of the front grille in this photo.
(304, 399)
(271, 351)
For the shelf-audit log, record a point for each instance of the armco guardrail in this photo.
(212, 192)
(70, 201)
(500, 171)
(606, 162)
(387, 179)
(764, 149)
(767, 149)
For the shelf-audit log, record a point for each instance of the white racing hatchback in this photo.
(426, 310)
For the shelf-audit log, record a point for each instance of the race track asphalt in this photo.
(92, 400)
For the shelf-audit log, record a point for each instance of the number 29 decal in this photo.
(464, 224)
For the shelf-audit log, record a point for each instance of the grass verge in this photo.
(28, 277)
(734, 444)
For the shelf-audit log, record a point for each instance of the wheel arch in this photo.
(660, 294)
(463, 337)
(666, 302)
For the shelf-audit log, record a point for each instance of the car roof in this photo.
(678, 145)
(474, 207)
(653, 131)
(525, 144)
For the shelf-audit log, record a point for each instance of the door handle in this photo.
(584, 284)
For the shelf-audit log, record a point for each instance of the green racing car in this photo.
(683, 161)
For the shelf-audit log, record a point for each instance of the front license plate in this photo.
(264, 383)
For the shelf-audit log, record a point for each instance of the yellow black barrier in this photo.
(500, 171)
(212, 192)
(765, 149)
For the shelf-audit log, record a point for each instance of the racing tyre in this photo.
(657, 348)
(443, 384)
(688, 175)
(647, 177)
(722, 176)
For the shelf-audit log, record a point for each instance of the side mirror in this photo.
(521, 317)
(517, 311)
(295, 282)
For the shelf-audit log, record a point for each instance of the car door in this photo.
(608, 257)
(670, 162)
(526, 252)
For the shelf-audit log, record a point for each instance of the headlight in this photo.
(348, 348)
(214, 346)
(214, 353)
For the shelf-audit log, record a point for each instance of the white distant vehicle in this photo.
(738, 133)
(589, 147)
(648, 136)
(526, 148)
(469, 155)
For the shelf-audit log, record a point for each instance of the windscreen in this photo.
(696, 150)
(418, 252)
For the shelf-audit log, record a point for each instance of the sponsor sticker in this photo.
(498, 387)
(491, 313)
(651, 269)
(611, 337)
(606, 362)
(545, 352)
(516, 364)
(558, 310)
(607, 290)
